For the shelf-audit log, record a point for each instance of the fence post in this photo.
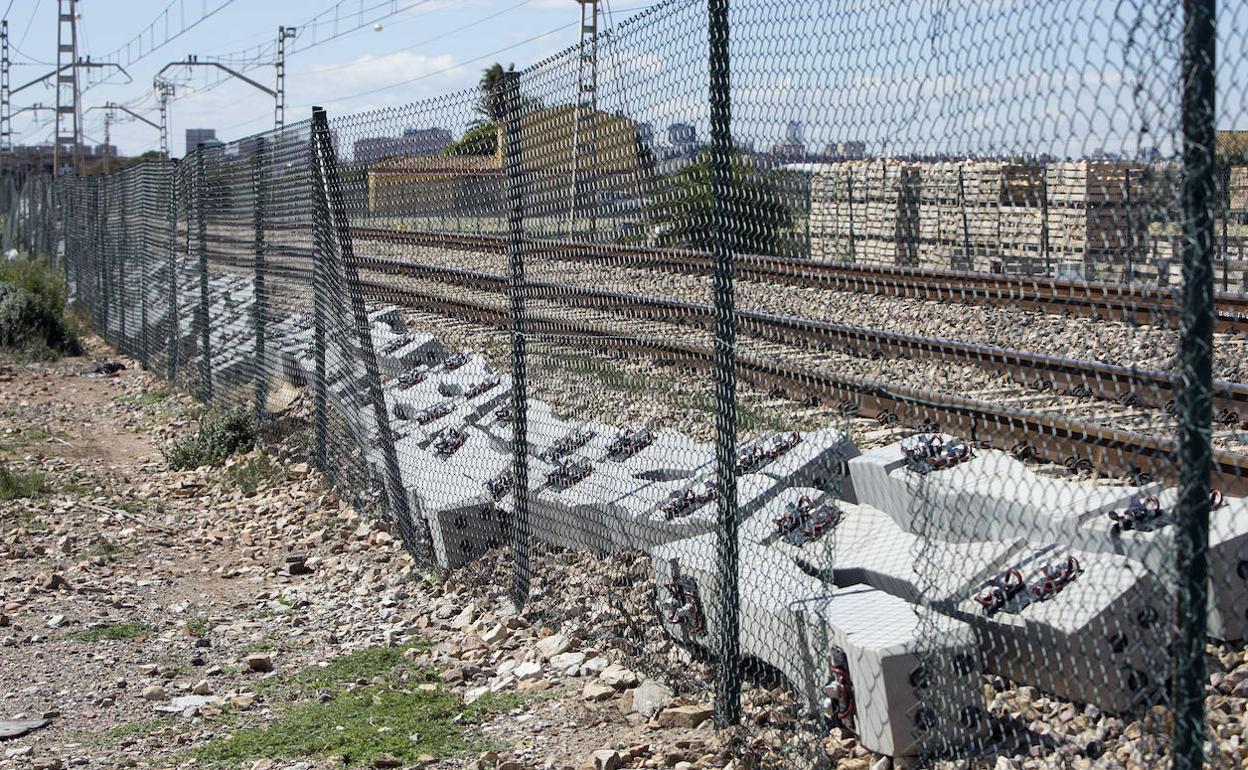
(1044, 220)
(967, 262)
(105, 274)
(1195, 409)
(849, 194)
(321, 236)
(728, 672)
(330, 189)
(259, 306)
(512, 154)
(143, 251)
(175, 320)
(201, 227)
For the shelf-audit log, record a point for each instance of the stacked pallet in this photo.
(864, 211)
(980, 215)
(1097, 225)
(1237, 191)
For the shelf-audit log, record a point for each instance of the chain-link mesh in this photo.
(854, 367)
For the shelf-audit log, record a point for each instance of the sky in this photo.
(1002, 77)
(435, 40)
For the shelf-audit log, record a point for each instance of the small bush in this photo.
(218, 437)
(255, 473)
(16, 485)
(33, 317)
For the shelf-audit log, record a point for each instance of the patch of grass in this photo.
(147, 399)
(105, 548)
(218, 437)
(140, 729)
(20, 485)
(200, 626)
(113, 632)
(358, 726)
(360, 666)
(255, 472)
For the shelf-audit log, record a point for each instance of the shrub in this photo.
(218, 437)
(18, 485)
(33, 318)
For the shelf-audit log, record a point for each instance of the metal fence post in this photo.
(514, 169)
(102, 275)
(259, 307)
(120, 245)
(727, 646)
(849, 194)
(143, 253)
(321, 236)
(201, 226)
(175, 321)
(330, 189)
(1196, 361)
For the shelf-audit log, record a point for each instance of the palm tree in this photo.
(491, 104)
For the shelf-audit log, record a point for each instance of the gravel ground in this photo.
(127, 587)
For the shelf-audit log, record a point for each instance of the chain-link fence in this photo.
(857, 368)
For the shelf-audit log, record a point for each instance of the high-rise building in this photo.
(682, 134)
(645, 133)
(415, 141)
(793, 132)
(198, 136)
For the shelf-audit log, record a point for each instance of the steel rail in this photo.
(1044, 436)
(1144, 304)
(1067, 376)
(1041, 435)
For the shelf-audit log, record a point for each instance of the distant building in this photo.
(106, 150)
(414, 141)
(793, 132)
(789, 152)
(681, 134)
(198, 136)
(845, 150)
(645, 133)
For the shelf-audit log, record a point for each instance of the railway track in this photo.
(1046, 435)
(1141, 304)
(1127, 386)
(1076, 443)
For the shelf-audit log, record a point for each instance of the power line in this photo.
(150, 31)
(33, 14)
(435, 38)
(314, 23)
(449, 69)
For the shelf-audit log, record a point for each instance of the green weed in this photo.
(114, 632)
(218, 437)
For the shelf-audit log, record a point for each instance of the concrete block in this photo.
(1152, 542)
(387, 316)
(463, 520)
(663, 511)
(987, 496)
(1097, 632)
(887, 663)
(662, 455)
(585, 513)
(396, 353)
(819, 460)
